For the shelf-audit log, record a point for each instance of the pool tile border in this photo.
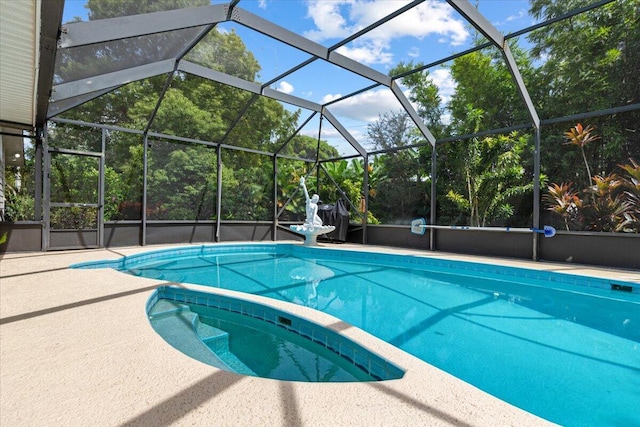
(130, 262)
(374, 365)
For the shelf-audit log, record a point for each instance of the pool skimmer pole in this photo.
(419, 226)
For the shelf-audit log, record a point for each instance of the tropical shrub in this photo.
(610, 203)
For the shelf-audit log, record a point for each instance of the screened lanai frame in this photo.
(70, 94)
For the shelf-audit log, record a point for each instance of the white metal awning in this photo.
(19, 47)
(28, 42)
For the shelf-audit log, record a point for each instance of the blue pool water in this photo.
(251, 339)
(566, 348)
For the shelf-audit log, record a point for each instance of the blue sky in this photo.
(426, 33)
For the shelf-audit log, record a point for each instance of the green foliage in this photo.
(493, 177)
(19, 204)
(562, 200)
(631, 183)
(424, 93)
(349, 176)
(306, 147)
(484, 83)
(610, 203)
(19, 189)
(585, 63)
(401, 190)
(181, 184)
(581, 137)
(245, 195)
(288, 183)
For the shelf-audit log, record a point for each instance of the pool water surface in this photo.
(566, 348)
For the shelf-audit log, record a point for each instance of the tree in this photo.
(493, 176)
(588, 62)
(404, 193)
(181, 178)
(424, 93)
(484, 82)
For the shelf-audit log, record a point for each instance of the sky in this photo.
(429, 32)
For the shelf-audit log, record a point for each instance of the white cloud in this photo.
(441, 77)
(360, 110)
(328, 19)
(414, 52)
(284, 87)
(521, 14)
(367, 54)
(341, 18)
(368, 106)
(511, 18)
(364, 107)
(262, 4)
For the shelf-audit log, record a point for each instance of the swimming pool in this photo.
(566, 348)
(253, 339)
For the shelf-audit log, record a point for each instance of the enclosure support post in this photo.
(38, 175)
(536, 193)
(101, 183)
(42, 162)
(274, 226)
(432, 214)
(218, 192)
(365, 185)
(143, 214)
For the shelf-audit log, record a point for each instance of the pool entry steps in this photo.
(226, 332)
(182, 328)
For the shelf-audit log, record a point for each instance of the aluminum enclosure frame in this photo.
(71, 94)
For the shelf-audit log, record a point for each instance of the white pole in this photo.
(418, 224)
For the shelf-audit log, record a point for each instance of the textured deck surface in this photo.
(76, 348)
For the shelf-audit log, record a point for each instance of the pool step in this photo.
(165, 307)
(182, 328)
(176, 327)
(218, 341)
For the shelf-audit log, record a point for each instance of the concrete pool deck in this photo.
(76, 348)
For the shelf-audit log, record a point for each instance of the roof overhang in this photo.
(28, 42)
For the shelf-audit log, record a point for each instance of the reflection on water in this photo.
(312, 274)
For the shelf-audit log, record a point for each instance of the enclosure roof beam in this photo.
(277, 152)
(217, 76)
(290, 38)
(291, 99)
(344, 132)
(522, 88)
(109, 80)
(417, 120)
(62, 105)
(475, 18)
(105, 30)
